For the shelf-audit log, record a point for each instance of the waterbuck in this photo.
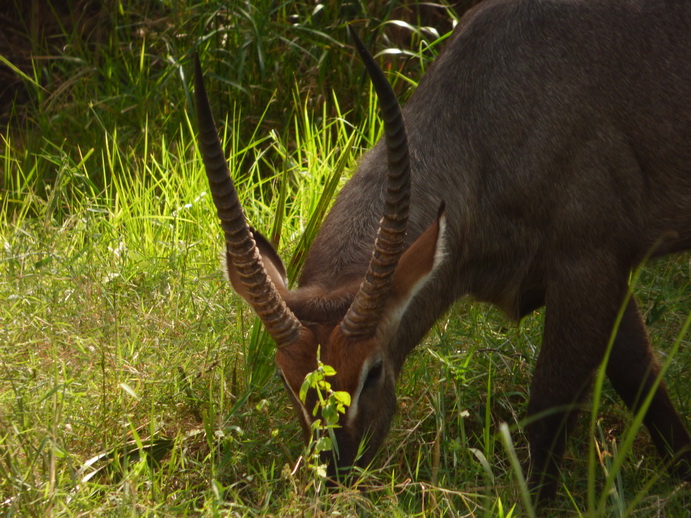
(545, 153)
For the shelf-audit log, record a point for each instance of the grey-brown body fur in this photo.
(559, 135)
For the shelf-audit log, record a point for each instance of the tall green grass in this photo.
(133, 380)
(117, 320)
(131, 75)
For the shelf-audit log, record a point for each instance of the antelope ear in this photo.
(271, 261)
(415, 268)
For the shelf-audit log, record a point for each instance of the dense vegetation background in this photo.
(124, 62)
(134, 381)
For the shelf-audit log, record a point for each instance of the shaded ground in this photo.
(41, 29)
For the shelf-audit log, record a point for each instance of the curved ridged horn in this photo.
(364, 314)
(280, 322)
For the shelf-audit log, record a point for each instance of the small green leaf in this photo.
(304, 388)
(324, 386)
(330, 414)
(323, 444)
(321, 470)
(343, 399)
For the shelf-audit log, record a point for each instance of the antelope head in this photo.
(354, 327)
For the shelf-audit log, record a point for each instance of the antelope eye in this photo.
(374, 374)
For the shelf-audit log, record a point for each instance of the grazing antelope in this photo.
(558, 133)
